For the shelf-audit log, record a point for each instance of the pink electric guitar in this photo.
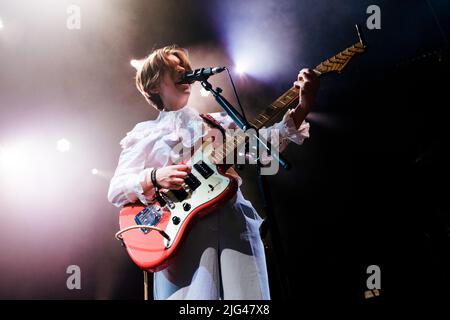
(153, 234)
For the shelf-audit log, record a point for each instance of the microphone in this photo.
(200, 74)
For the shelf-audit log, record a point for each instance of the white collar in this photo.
(185, 114)
(176, 124)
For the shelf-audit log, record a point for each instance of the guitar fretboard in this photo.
(287, 99)
(334, 64)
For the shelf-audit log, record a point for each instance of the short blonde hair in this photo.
(154, 66)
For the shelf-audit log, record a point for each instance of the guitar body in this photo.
(207, 188)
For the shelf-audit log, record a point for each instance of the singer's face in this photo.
(174, 96)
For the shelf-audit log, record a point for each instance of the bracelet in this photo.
(153, 178)
(158, 196)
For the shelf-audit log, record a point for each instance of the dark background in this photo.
(368, 187)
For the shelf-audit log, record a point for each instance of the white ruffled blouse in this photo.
(151, 145)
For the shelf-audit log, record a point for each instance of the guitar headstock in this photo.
(338, 62)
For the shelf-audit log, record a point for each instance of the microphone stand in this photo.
(270, 222)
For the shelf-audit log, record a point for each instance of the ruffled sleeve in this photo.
(139, 131)
(288, 132)
(126, 184)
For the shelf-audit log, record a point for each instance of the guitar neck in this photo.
(290, 97)
(334, 64)
(285, 101)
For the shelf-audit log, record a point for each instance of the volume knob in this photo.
(186, 206)
(176, 220)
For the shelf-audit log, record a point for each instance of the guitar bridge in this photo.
(149, 216)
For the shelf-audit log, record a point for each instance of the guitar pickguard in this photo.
(211, 184)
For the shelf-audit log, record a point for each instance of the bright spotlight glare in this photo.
(12, 159)
(94, 171)
(204, 92)
(63, 145)
(1, 24)
(240, 69)
(137, 64)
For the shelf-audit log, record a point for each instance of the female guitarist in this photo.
(222, 257)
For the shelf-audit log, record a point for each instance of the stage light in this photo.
(240, 69)
(1, 24)
(137, 64)
(261, 43)
(94, 171)
(204, 92)
(12, 159)
(63, 145)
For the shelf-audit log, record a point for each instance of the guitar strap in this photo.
(212, 122)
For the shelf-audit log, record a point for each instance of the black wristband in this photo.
(158, 196)
(153, 178)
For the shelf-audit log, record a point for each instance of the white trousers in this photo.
(222, 257)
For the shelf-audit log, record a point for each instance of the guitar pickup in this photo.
(192, 181)
(180, 194)
(203, 169)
